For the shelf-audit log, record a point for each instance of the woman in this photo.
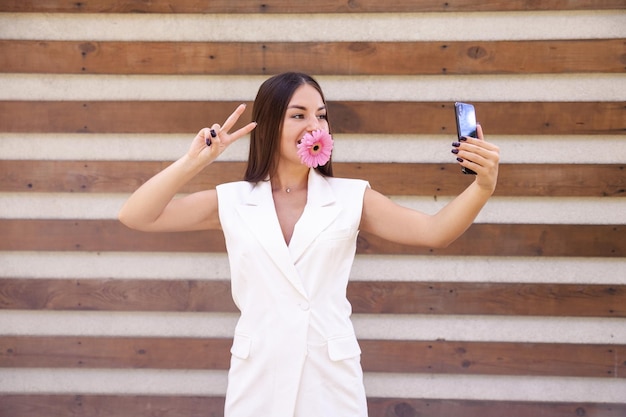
(291, 233)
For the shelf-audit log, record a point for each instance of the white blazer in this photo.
(293, 302)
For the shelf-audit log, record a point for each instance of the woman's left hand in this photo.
(481, 157)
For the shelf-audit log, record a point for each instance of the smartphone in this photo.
(465, 116)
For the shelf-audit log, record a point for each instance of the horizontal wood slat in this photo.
(116, 295)
(534, 180)
(581, 300)
(289, 6)
(87, 405)
(391, 407)
(439, 357)
(388, 297)
(522, 118)
(480, 239)
(320, 58)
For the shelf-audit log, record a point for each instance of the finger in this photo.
(475, 143)
(204, 133)
(232, 119)
(480, 156)
(479, 132)
(208, 140)
(244, 130)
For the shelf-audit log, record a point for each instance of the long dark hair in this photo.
(270, 106)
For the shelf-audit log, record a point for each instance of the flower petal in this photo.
(315, 148)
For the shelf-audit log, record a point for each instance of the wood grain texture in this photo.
(436, 180)
(116, 295)
(383, 117)
(480, 239)
(287, 6)
(319, 58)
(366, 297)
(401, 356)
(86, 405)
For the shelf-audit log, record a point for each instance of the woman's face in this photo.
(305, 113)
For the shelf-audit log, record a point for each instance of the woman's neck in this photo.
(290, 181)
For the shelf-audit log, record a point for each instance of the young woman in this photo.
(291, 230)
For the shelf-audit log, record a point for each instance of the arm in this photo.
(390, 221)
(153, 206)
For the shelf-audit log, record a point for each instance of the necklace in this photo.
(288, 189)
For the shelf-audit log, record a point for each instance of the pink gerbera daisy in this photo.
(314, 148)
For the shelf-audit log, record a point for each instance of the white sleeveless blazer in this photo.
(294, 351)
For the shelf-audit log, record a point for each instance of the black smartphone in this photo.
(465, 116)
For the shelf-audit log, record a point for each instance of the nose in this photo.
(314, 124)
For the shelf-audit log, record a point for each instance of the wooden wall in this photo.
(523, 316)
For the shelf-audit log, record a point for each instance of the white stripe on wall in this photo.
(516, 210)
(539, 87)
(517, 149)
(467, 328)
(472, 387)
(315, 28)
(192, 382)
(214, 266)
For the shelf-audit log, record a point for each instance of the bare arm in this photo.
(153, 206)
(395, 223)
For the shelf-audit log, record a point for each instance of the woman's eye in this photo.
(322, 116)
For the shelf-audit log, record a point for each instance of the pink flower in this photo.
(314, 148)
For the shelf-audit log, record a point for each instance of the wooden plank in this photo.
(494, 358)
(517, 299)
(288, 6)
(392, 407)
(431, 357)
(114, 352)
(116, 295)
(90, 405)
(480, 239)
(531, 118)
(319, 58)
(366, 297)
(83, 405)
(436, 180)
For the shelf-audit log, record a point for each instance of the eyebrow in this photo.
(297, 106)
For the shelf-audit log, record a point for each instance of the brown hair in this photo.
(270, 106)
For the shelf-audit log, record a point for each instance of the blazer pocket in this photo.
(342, 348)
(241, 346)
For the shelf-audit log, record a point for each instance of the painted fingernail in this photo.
(455, 150)
(456, 144)
(207, 141)
(213, 134)
(459, 159)
(463, 138)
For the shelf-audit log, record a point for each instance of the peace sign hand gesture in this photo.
(209, 143)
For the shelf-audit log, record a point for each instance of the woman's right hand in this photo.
(223, 138)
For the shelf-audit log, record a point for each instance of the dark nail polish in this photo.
(462, 138)
(456, 144)
(455, 150)
(459, 159)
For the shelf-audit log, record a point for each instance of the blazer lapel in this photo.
(320, 211)
(259, 215)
